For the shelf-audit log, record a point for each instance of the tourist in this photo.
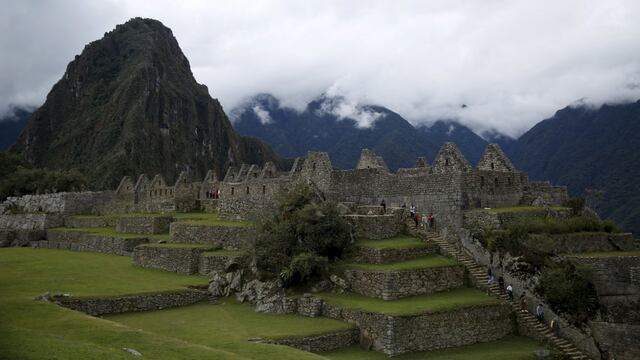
(412, 211)
(523, 302)
(540, 313)
(384, 206)
(432, 221)
(555, 327)
(424, 222)
(510, 292)
(489, 282)
(416, 218)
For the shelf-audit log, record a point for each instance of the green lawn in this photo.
(418, 263)
(607, 253)
(111, 231)
(32, 329)
(229, 326)
(517, 209)
(398, 242)
(431, 303)
(509, 348)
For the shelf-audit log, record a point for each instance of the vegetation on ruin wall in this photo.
(300, 237)
(35, 330)
(19, 178)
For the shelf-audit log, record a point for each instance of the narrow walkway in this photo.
(479, 274)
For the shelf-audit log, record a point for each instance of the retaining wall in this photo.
(219, 262)
(323, 342)
(79, 241)
(132, 303)
(89, 221)
(369, 255)
(182, 260)
(392, 285)
(144, 224)
(30, 221)
(581, 242)
(228, 237)
(376, 226)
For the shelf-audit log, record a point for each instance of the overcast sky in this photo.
(513, 63)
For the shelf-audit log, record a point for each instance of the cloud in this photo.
(513, 63)
(262, 114)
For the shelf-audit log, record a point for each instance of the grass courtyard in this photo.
(418, 263)
(398, 242)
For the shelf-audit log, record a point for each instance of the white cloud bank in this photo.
(512, 63)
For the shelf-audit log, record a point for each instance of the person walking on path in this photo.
(424, 224)
(523, 302)
(540, 313)
(416, 218)
(412, 211)
(489, 282)
(432, 221)
(384, 207)
(510, 292)
(555, 327)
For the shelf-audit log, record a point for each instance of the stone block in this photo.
(144, 224)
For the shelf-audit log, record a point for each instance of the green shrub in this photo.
(568, 289)
(300, 237)
(576, 205)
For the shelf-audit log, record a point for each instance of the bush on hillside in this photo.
(18, 178)
(300, 237)
(568, 289)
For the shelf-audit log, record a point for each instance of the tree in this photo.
(300, 237)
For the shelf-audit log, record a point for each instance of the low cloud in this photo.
(262, 114)
(513, 63)
(343, 108)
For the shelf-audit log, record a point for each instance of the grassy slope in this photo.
(399, 242)
(228, 326)
(419, 263)
(510, 348)
(110, 231)
(38, 330)
(441, 301)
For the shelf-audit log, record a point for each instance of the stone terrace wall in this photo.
(322, 343)
(581, 242)
(378, 256)
(619, 341)
(394, 285)
(498, 220)
(79, 241)
(219, 262)
(617, 281)
(89, 222)
(395, 335)
(30, 221)
(182, 260)
(375, 226)
(132, 303)
(57, 203)
(144, 224)
(228, 237)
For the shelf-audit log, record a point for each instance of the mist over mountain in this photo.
(129, 104)
(343, 129)
(12, 124)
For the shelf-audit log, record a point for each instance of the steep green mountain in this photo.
(12, 124)
(129, 104)
(329, 124)
(587, 148)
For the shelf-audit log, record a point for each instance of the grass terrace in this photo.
(608, 254)
(418, 263)
(398, 242)
(31, 330)
(431, 303)
(520, 209)
(509, 348)
(179, 246)
(111, 232)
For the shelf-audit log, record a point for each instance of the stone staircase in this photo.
(479, 275)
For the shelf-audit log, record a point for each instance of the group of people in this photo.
(426, 222)
(539, 312)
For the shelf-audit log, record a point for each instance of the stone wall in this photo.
(228, 237)
(617, 281)
(323, 342)
(57, 203)
(183, 260)
(209, 263)
(79, 241)
(20, 238)
(375, 226)
(132, 303)
(617, 341)
(399, 334)
(392, 285)
(89, 221)
(581, 242)
(209, 205)
(144, 224)
(536, 191)
(488, 218)
(378, 256)
(30, 221)
(242, 200)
